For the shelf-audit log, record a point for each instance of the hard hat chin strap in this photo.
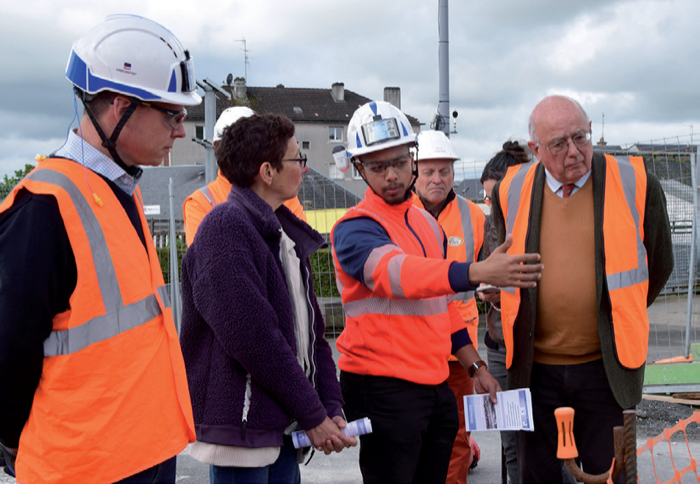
(111, 142)
(413, 181)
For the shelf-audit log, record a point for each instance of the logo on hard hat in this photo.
(126, 69)
(455, 241)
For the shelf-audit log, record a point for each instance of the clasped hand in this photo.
(328, 436)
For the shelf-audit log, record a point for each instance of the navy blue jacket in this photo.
(238, 328)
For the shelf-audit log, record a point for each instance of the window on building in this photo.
(356, 174)
(199, 131)
(334, 173)
(305, 145)
(335, 134)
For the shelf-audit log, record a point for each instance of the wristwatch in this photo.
(474, 367)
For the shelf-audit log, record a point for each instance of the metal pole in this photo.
(444, 67)
(691, 269)
(210, 168)
(175, 302)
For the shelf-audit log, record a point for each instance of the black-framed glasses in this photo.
(176, 117)
(301, 160)
(379, 167)
(560, 145)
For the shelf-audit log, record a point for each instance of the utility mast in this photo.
(442, 121)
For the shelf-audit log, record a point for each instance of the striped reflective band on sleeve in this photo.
(119, 317)
(465, 215)
(371, 263)
(208, 195)
(396, 307)
(641, 272)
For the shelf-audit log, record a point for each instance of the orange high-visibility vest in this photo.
(626, 270)
(463, 223)
(398, 324)
(201, 201)
(113, 398)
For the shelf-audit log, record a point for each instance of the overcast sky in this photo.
(636, 61)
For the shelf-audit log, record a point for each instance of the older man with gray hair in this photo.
(579, 338)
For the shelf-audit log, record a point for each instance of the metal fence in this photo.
(673, 317)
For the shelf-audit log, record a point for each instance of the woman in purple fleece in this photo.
(258, 366)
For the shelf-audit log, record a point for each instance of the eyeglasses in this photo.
(176, 117)
(379, 167)
(301, 160)
(487, 200)
(560, 145)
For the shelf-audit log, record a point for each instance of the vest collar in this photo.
(384, 209)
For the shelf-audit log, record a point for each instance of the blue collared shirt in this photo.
(76, 149)
(556, 186)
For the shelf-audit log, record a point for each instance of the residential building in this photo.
(321, 118)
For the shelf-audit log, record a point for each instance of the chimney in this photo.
(392, 95)
(338, 92)
(239, 89)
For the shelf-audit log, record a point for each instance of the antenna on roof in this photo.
(245, 57)
(602, 142)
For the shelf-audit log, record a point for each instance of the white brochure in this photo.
(512, 412)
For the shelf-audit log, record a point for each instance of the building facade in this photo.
(320, 116)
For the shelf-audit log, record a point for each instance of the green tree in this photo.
(9, 182)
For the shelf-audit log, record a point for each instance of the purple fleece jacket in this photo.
(238, 328)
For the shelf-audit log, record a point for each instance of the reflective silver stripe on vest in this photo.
(208, 195)
(464, 296)
(164, 294)
(372, 261)
(119, 317)
(641, 272)
(516, 186)
(437, 230)
(338, 282)
(465, 215)
(396, 307)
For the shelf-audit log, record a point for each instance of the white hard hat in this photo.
(136, 57)
(228, 117)
(435, 145)
(375, 126)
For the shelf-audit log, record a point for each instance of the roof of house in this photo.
(607, 148)
(300, 104)
(663, 148)
(317, 191)
(470, 188)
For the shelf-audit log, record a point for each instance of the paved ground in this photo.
(343, 468)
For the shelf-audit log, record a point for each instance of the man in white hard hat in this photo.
(89, 351)
(201, 201)
(463, 223)
(400, 322)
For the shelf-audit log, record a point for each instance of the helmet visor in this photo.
(380, 131)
